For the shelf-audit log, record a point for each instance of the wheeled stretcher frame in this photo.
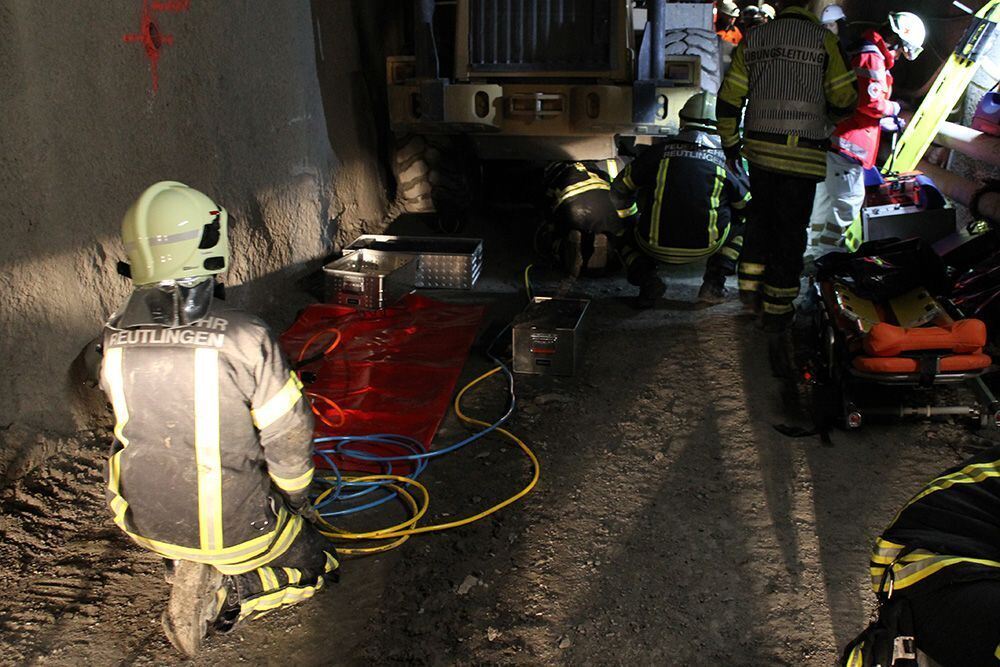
(845, 320)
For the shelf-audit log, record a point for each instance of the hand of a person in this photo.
(892, 124)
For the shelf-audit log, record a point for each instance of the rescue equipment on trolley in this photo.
(880, 325)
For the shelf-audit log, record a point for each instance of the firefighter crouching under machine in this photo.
(855, 142)
(582, 227)
(690, 206)
(211, 461)
(936, 572)
(793, 79)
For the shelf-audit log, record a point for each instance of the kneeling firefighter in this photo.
(211, 461)
(582, 226)
(936, 572)
(691, 206)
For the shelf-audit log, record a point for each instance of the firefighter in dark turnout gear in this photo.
(794, 81)
(936, 571)
(211, 461)
(690, 205)
(582, 225)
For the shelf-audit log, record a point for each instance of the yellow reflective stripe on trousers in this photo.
(294, 576)
(713, 205)
(114, 378)
(781, 292)
(208, 453)
(268, 579)
(292, 484)
(777, 308)
(654, 220)
(278, 405)
(752, 269)
(286, 596)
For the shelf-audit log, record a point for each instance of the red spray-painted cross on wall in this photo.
(149, 34)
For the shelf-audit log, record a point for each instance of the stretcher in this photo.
(913, 342)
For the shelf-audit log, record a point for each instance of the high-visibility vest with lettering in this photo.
(794, 81)
(208, 416)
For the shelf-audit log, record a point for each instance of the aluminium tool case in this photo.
(441, 262)
(369, 279)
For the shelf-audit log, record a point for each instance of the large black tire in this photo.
(703, 43)
(434, 174)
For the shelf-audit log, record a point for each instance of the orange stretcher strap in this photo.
(963, 337)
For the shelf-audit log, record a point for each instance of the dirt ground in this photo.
(672, 525)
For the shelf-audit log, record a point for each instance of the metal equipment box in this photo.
(442, 262)
(548, 336)
(904, 221)
(369, 279)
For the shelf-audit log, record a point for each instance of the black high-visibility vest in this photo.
(685, 194)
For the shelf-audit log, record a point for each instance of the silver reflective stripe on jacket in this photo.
(785, 64)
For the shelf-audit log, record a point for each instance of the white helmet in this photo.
(832, 14)
(911, 32)
(728, 8)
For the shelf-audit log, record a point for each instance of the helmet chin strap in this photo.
(170, 303)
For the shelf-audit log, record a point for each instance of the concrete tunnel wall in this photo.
(238, 114)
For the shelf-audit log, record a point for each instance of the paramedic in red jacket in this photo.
(855, 142)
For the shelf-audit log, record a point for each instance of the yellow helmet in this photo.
(172, 232)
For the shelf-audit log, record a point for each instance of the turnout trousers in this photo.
(775, 241)
(292, 577)
(837, 204)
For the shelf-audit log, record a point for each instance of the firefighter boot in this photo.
(713, 289)
(751, 302)
(194, 604)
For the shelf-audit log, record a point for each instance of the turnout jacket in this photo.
(208, 415)
(684, 192)
(858, 136)
(566, 180)
(947, 533)
(792, 76)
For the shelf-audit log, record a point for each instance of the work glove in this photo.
(300, 504)
(892, 124)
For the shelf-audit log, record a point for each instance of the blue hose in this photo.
(416, 448)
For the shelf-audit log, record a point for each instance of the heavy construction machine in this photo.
(538, 80)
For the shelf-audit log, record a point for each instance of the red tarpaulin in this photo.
(393, 370)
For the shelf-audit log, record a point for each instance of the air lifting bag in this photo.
(394, 370)
(963, 337)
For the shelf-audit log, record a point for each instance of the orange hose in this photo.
(330, 348)
(332, 404)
